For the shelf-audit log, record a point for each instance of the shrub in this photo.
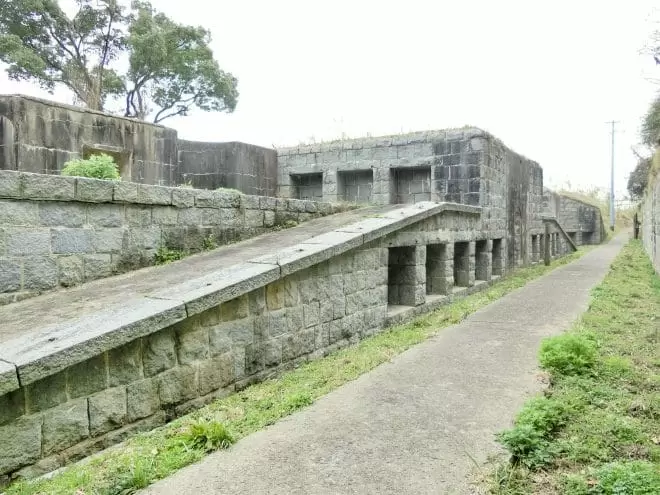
(96, 166)
(165, 255)
(617, 478)
(568, 354)
(528, 441)
(208, 436)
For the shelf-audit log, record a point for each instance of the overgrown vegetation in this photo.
(596, 430)
(154, 455)
(96, 166)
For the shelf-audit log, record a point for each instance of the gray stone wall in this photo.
(650, 218)
(61, 231)
(40, 136)
(581, 220)
(245, 167)
(93, 404)
(466, 166)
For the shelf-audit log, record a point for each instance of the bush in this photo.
(96, 167)
(568, 354)
(208, 436)
(617, 478)
(165, 255)
(529, 440)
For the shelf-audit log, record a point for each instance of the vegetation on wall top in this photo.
(170, 70)
(96, 167)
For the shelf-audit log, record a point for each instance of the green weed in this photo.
(567, 354)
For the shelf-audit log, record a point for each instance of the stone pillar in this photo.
(484, 260)
(330, 192)
(439, 269)
(498, 257)
(407, 275)
(464, 263)
(536, 248)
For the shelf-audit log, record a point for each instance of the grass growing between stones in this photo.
(154, 455)
(596, 429)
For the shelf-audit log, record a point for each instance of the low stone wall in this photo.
(73, 388)
(60, 231)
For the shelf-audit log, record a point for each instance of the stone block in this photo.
(254, 218)
(277, 322)
(177, 385)
(62, 214)
(327, 311)
(12, 406)
(72, 241)
(97, 266)
(49, 187)
(141, 399)
(46, 393)
(164, 215)
(204, 198)
(311, 314)
(125, 192)
(183, 197)
(154, 195)
(190, 216)
(143, 238)
(40, 273)
(27, 242)
(220, 339)
(159, 352)
(192, 342)
(269, 218)
(249, 202)
(139, 216)
(267, 203)
(105, 215)
(108, 240)
(107, 410)
(21, 443)
(235, 309)
(257, 301)
(65, 425)
(231, 218)
(215, 373)
(10, 184)
(88, 377)
(211, 216)
(94, 190)
(125, 364)
(294, 318)
(10, 275)
(275, 295)
(227, 199)
(238, 354)
(298, 344)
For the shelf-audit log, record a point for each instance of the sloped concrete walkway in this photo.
(418, 424)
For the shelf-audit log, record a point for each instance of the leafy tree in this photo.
(651, 124)
(639, 177)
(171, 68)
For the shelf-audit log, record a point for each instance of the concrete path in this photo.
(418, 424)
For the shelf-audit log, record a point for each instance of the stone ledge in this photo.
(35, 356)
(8, 377)
(42, 187)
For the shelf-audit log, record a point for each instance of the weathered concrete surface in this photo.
(650, 219)
(415, 424)
(63, 306)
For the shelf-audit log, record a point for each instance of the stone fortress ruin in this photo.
(444, 213)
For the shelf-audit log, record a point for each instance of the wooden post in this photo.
(546, 253)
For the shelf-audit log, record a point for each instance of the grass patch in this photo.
(596, 430)
(153, 455)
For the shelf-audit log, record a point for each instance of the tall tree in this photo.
(171, 68)
(651, 124)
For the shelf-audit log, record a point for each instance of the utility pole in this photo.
(612, 212)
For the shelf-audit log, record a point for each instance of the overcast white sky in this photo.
(542, 76)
